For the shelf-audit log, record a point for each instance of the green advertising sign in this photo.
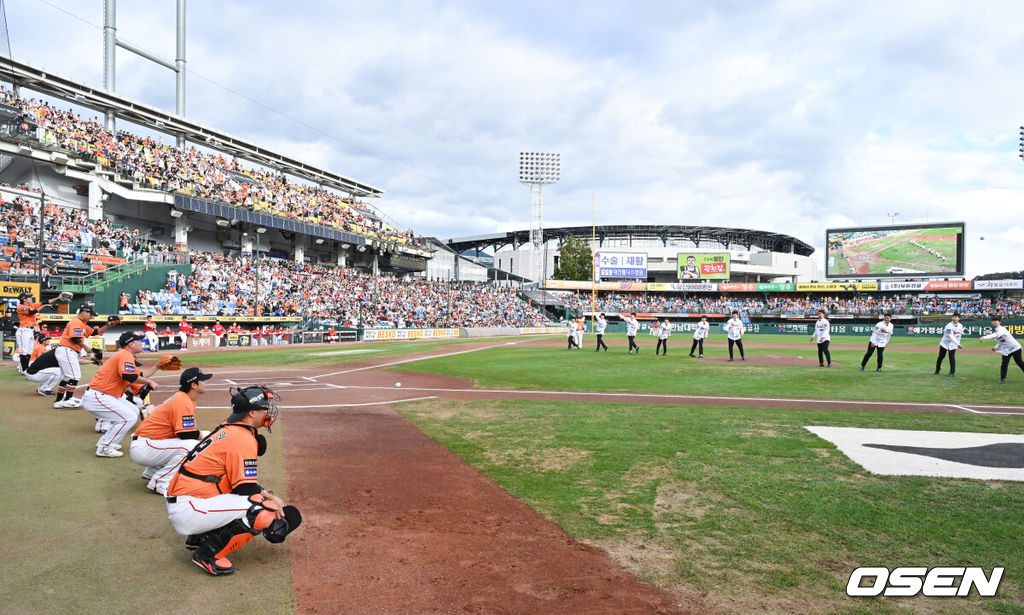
(778, 287)
(703, 266)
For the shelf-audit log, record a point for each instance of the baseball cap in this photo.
(127, 338)
(85, 307)
(192, 375)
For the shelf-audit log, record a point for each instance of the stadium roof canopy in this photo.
(99, 99)
(731, 238)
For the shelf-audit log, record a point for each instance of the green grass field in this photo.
(906, 376)
(741, 503)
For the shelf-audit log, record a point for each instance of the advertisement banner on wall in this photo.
(13, 289)
(620, 265)
(817, 287)
(916, 285)
(373, 335)
(683, 287)
(577, 285)
(998, 284)
(703, 266)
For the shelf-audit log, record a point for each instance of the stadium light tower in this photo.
(892, 218)
(537, 169)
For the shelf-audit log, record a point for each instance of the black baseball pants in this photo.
(661, 344)
(600, 342)
(823, 353)
(952, 360)
(1006, 363)
(632, 343)
(871, 351)
(697, 343)
(738, 344)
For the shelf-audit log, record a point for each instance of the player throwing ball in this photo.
(951, 335)
(822, 335)
(734, 331)
(216, 499)
(880, 335)
(700, 333)
(1009, 347)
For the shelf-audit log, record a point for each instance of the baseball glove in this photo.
(66, 295)
(97, 356)
(169, 362)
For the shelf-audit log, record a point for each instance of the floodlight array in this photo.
(539, 167)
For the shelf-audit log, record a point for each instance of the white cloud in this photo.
(791, 116)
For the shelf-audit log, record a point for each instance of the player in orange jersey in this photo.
(72, 345)
(169, 432)
(216, 499)
(105, 397)
(27, 315)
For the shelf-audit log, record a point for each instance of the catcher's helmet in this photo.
(247, 399)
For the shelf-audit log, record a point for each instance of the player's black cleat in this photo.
(951, 375)
(936, 373)
(879, 369)
(861, 368)
(217, 567)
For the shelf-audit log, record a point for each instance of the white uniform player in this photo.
(700, 333)
(72, 347)
(151, 338)
(1006, 345)
(599, 328)
(951, 335)
(664, 331)
(734, 331)
(823, 337)
(25, 335)
(632, 326)
(578, 333)
(880, 335)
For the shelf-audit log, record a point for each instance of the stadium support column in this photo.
(299, 248)
(181, 229)
(109, 65)
(342, 256)
(96, 199)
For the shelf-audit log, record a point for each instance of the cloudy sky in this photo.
(787, 116)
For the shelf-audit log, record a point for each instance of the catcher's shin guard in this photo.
(221, 542)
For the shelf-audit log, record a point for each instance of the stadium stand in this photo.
(154, 165)
(226, 286)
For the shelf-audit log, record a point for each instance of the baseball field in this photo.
(513, 476)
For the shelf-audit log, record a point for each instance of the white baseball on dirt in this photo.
(398, 384)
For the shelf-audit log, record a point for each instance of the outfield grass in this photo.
(906, 376)
(83, 534)
(742, 503)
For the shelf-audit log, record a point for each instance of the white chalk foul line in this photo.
(369, 403)
(411, 360)
(973, 411)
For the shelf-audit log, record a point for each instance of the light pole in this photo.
(536, 169)
(892, 218)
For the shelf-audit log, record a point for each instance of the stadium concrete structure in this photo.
(755, 256)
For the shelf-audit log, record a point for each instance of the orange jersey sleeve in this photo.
(175, 415)
(109, 379)
(229, 454)
(25, 319)
(75, 328)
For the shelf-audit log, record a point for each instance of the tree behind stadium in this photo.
(575, 260)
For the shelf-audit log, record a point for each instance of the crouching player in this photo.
(215, 499)
(169, 432)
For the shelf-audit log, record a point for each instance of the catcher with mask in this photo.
(216, 499)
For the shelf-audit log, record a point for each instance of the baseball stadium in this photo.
(222, 361)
